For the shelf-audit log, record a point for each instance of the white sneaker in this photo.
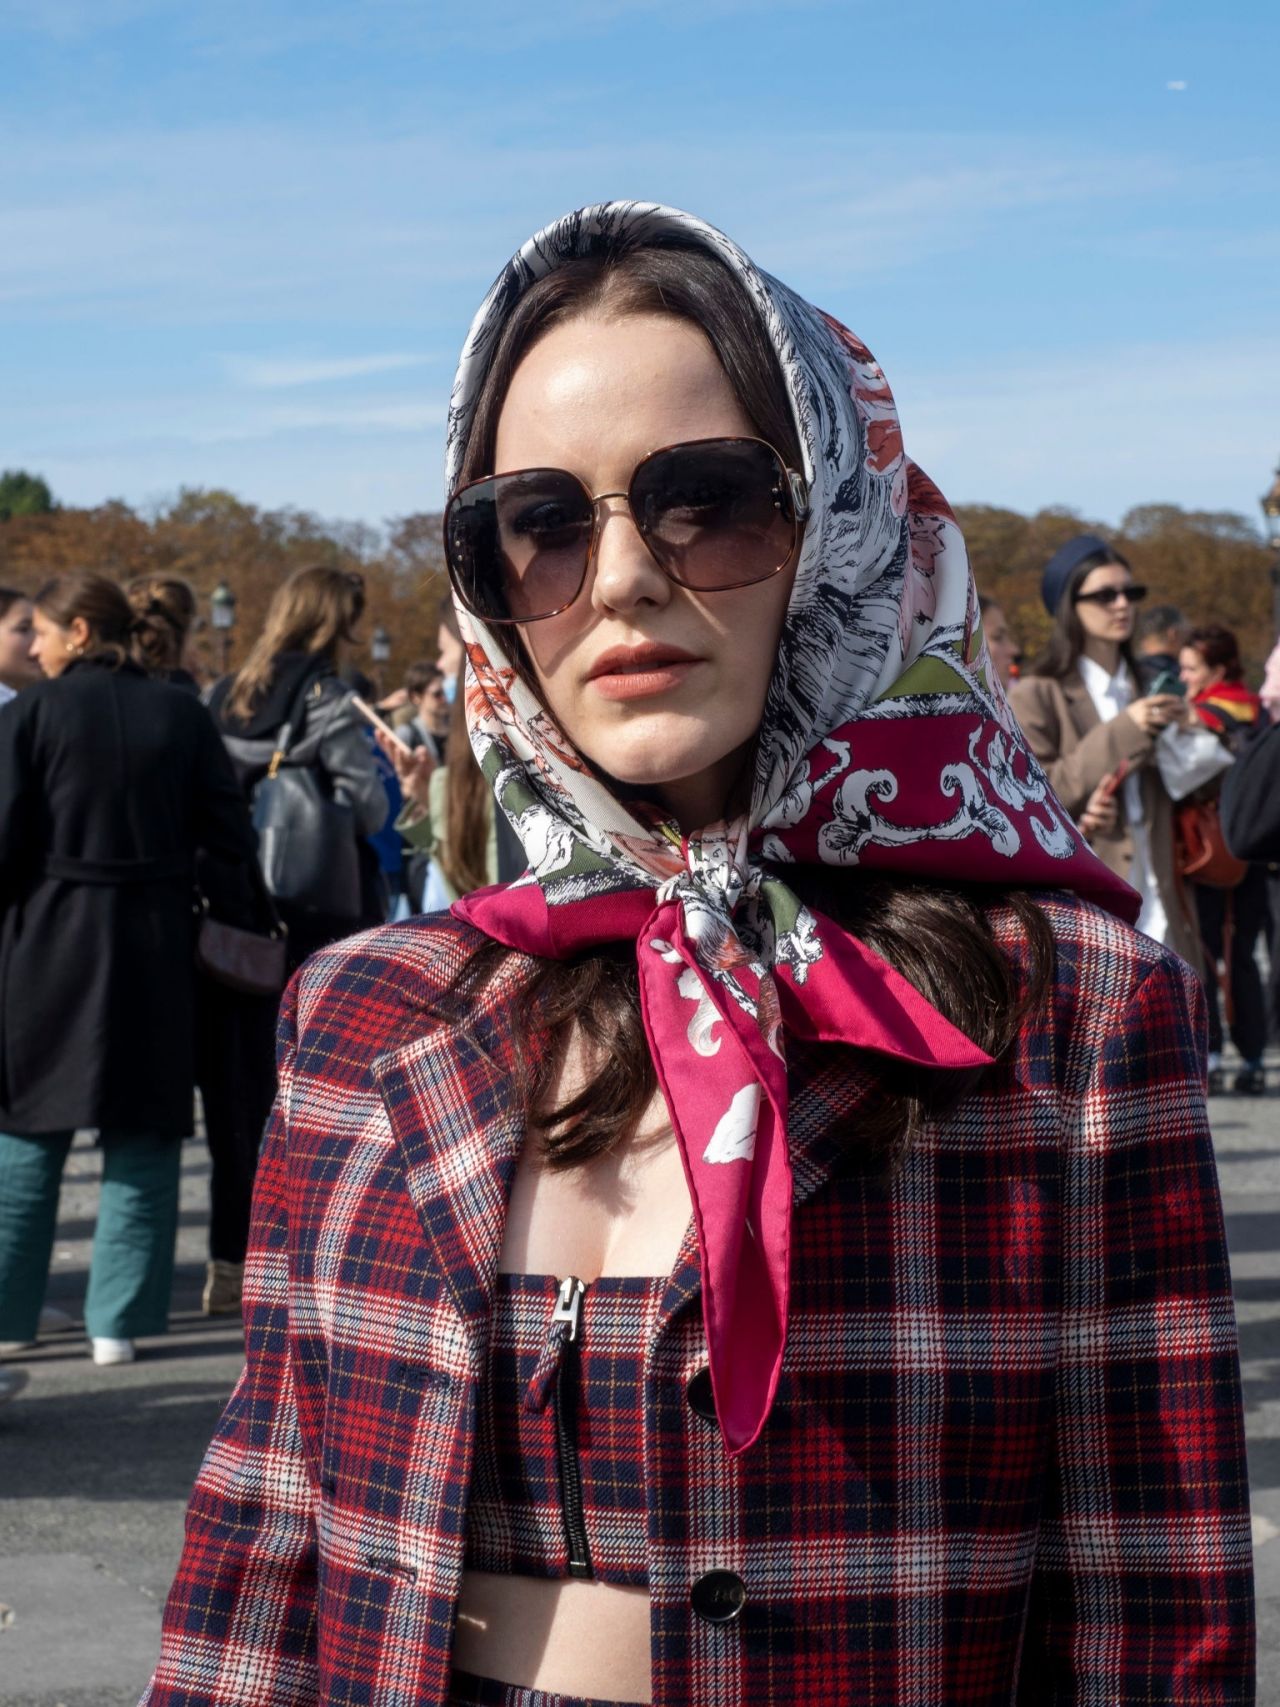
(112, 1351)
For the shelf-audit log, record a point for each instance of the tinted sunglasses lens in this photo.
(1134, 594)
(517, 544)
(717, 514)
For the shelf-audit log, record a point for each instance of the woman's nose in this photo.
(625, 572)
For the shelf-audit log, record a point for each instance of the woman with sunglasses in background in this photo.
(1089, 724)
(770, 1253)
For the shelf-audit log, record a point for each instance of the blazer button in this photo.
(701, 1399)
(719, 1596)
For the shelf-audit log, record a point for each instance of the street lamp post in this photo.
(222, 610)
(380, 652)
(1271, 514)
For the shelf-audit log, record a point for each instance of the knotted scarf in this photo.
(886, 743)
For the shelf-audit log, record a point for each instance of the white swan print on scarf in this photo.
(734, 1139)
(705, 1016)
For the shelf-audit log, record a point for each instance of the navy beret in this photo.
(1064, 563)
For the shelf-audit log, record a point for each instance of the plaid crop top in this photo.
(558, 1485)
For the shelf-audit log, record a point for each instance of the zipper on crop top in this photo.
(567, 1397)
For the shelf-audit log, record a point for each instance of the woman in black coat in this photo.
(111, 785)
(289, 674)
(1250, 806)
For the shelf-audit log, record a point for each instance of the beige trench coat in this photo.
(1077, 750)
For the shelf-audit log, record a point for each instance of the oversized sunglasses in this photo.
(1135, 592)
(713, 513)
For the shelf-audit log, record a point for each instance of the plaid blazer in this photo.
(1006, 1462)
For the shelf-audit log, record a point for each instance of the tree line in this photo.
(1214, 565)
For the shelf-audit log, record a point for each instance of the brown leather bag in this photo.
(242, 960)
(1201, 849)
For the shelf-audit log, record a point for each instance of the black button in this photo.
(701, 1398)
(719, 1596)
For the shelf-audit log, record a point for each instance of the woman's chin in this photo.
(697, 786)
(654, 765)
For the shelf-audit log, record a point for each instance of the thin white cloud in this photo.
(69, 22)
(410, 415)
(266, 373)
(110, 219)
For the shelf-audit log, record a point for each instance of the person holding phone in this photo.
(1081, 705)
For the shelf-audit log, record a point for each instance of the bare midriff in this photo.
(626, 1212)
(572, 1638)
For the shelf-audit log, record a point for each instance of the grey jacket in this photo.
(330, 735)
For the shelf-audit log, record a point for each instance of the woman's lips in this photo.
(637, 672)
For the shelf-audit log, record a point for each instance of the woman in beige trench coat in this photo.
(1086, 720)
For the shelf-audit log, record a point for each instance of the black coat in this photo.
(1250, 801)
(111, 784)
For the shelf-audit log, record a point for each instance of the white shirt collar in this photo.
(1117, 689)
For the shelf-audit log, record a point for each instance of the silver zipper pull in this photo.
(569, 1305)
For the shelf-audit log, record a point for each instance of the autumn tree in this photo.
(208, 536)
(1214, 565)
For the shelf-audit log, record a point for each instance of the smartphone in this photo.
(1168, 681)
(371, 716)
(1111, 783)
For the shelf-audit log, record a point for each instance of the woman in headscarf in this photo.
(771, 1252)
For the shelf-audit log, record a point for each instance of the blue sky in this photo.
(240, 243)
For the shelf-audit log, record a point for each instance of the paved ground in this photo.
(96, 1464)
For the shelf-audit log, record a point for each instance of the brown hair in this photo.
(315, 610)
(1061, 652)
(468, 803)
(164, 609)
(938, 937)
(469, 806)
(99, 602)
(1219, 648)
(10, 596)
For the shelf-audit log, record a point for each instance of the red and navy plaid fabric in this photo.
(1006, 1463)
(515, 1521)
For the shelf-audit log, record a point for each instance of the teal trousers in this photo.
(131, 1271)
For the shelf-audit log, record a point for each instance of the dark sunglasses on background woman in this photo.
(713, 513)
(1134, 594)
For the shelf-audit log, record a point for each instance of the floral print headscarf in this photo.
(886, 743)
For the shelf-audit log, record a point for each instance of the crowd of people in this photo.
(668, 701)
(1105, 706)
(120, 1052)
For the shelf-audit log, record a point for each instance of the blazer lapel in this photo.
(456, 1112)
(1080, 706)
